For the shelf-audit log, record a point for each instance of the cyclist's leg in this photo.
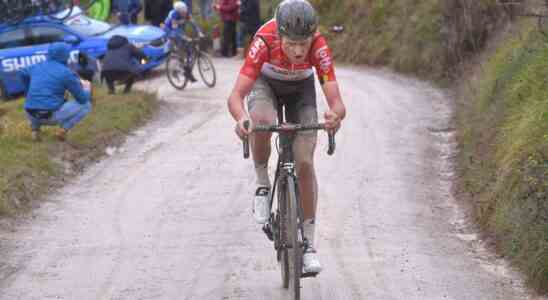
(186, 48)
(304, 111)
(261, 107)
(262, 110)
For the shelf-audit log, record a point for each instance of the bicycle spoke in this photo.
(206, 69)
(175, 72)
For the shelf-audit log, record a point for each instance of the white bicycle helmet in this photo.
(180, 7)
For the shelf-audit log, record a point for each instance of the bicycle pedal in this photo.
(309, 275)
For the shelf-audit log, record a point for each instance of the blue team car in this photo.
(26, 43)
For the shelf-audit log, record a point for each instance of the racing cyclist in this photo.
(175, 25)
(279, 67)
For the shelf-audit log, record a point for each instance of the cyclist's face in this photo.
(296, 51)
(182, 13)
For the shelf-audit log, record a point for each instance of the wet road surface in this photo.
(168, 214)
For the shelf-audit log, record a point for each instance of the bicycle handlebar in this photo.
(288, 128)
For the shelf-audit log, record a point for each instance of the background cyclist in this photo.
(175, 26)
(279, 66)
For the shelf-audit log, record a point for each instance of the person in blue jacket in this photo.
(45, 85)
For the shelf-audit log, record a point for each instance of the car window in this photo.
(45, 35)
(86, 26)
(14, 38)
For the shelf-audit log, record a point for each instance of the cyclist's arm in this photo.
(241, 89)
(168, 22)
(333, 97)
(250, 71)
(323, 62)
(195, 28)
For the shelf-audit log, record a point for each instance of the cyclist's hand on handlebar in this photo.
(241, 131)
(332, 121)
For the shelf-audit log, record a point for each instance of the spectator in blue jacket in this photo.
(45, 85)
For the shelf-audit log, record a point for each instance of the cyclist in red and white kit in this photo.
(280, 67)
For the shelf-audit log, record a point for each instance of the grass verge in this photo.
(29, 169)
(504, 157)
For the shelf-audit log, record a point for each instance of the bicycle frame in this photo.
(286, 168)
(192, 45)
(285, 226)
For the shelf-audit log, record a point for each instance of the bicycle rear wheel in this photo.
(295, 253)
(175, 71)
(206, 69)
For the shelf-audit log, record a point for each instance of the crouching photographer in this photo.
(45, 86)
(121, 63)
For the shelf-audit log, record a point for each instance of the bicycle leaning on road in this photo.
(178, 58)
(285, 226)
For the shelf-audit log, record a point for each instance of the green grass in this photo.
(28, 169)
(505, 151)
(404, 35)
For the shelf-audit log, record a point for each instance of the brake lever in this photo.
(246, 141)
(332, 144)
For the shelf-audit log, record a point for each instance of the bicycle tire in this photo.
(295, 238)
(283, 217)
(174, 72)
(205, 64)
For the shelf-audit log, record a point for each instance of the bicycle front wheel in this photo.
(175, 71)
(206, 69)
(283, 227)
(295, 252)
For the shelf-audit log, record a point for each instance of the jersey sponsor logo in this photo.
(255, 48)
(275, 72)
(324, 59)
(18, 63)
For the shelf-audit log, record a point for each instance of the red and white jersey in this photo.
(265, 56)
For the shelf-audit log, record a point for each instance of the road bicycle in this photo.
(191, 55)
(285, 225)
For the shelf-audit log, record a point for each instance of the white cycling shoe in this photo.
(311, 262)
(261, 205)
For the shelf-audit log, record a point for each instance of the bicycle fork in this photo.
(269, 228)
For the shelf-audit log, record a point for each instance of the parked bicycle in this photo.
(179, 58)
(285, 226)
